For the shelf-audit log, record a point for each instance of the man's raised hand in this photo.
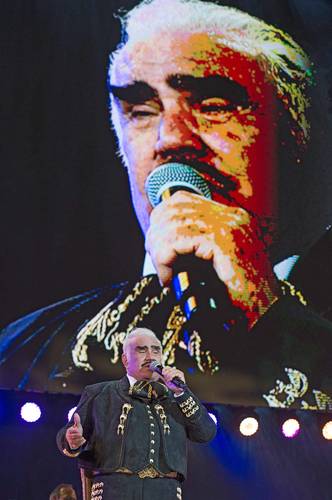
(74, 434)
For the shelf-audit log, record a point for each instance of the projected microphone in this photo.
(191, 275)
(158, 368)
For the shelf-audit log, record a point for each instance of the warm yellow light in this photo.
(327, 430)
(249, 426)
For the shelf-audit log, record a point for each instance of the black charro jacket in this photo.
(108, 449)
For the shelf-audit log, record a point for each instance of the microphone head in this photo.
(156, 366)
(175, 176)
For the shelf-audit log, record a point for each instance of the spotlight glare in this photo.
(249, 426)
(327, 430)
(214, 418)
(30, 412)
(71, 412)
(290, 428)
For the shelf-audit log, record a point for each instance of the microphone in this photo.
(158, 368)
(192, 276)
(165, 180)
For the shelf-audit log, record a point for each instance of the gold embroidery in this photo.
(161, 413)
(171, 335)
(103, 325)
(323, 402)
(146, 309)
(204, 360)
(289, 289)
(189, 407)
(123, 417)
(297, 387)
(148, 472)
(284, 395)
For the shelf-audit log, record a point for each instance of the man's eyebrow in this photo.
(134, 93)
(210, 86)
(154, 346)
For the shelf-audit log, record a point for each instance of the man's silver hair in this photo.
(283, 61)
(137, 332)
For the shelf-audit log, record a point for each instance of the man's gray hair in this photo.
(137, 332)
(283, 61)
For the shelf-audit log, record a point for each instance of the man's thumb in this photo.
(77, 420)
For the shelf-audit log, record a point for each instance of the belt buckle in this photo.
(148, 472)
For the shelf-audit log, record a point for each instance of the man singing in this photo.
(224, 95)
(130, 434)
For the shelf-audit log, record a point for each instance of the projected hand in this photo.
(227, 236)
(74, 434)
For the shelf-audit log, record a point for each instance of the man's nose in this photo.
(149, 356)
(177, 131)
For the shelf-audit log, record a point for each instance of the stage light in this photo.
(290, 428)
(214, 418)
(327, 430)
(30, 412)
(71, 412)
(249, 426)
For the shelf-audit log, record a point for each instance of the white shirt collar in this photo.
(148, 267)
(283, 268)
(131, 379)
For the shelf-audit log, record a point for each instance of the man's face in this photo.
(186, 98)
(141, 350)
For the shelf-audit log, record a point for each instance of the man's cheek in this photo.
(232, 145)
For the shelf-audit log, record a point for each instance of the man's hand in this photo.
(74, 434)
(168, 374)
(227, 236)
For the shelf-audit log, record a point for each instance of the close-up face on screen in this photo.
(172, 172)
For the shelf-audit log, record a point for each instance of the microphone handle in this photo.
(179, 383)
(192, 276)
(194, 286)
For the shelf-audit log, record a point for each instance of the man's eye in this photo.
(141, 112)
(216, 106)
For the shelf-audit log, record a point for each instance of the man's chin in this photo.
(147, 374)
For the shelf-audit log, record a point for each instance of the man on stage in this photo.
(130, 434)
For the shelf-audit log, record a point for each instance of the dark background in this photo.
(66, 220)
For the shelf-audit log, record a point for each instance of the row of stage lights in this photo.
(248, 426)
(290, 427)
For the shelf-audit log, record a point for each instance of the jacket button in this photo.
(152, 441)
(152, 451)
(152, 424)
(151, 460)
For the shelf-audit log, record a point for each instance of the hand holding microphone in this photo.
(173, 377)
(213, 253)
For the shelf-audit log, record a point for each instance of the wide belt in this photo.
(149, 471)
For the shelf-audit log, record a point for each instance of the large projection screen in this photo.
(248, 104)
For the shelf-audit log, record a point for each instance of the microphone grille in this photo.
(175, 175)
(154, 365)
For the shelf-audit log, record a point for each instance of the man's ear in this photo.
(124, 360)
